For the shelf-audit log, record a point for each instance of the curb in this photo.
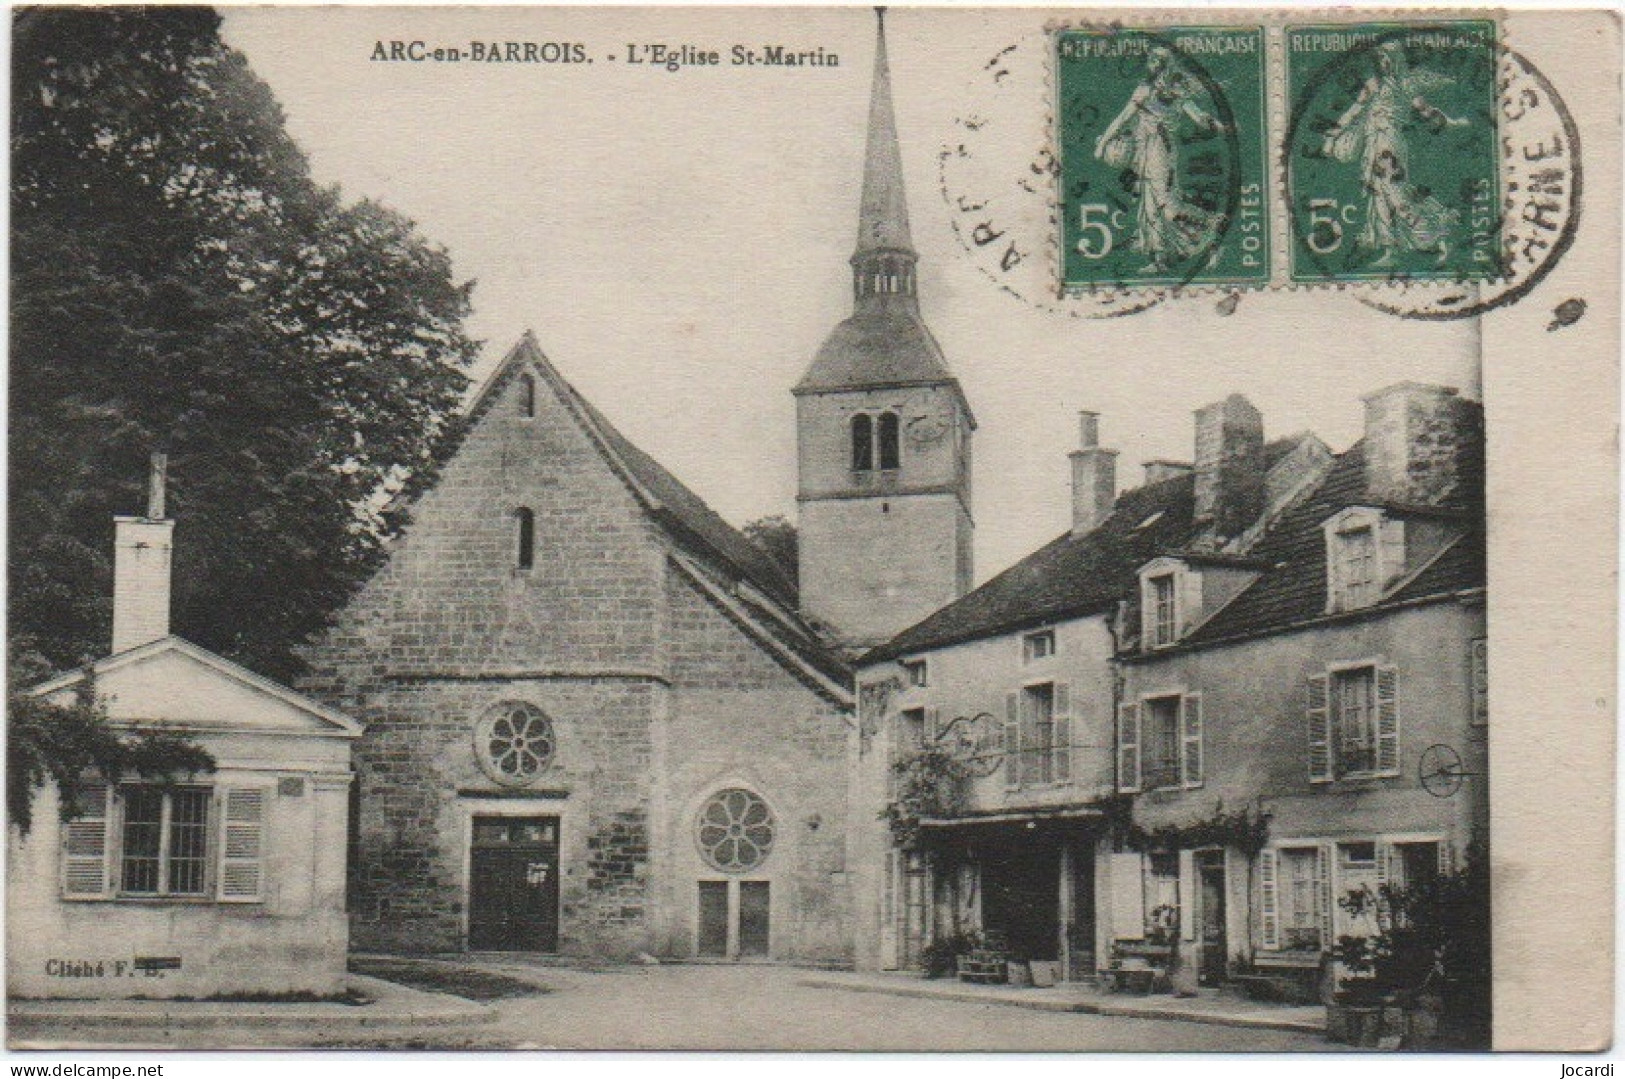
(390, 1013)
(1080, 1007)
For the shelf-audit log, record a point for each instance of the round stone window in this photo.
(735, 830)
(514, 743)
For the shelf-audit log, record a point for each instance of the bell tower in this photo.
(883, 430)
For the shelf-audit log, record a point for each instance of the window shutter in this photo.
(1391, 544)
(1190, 716)
(1320, 730)
(932, 728)
(1128, 747)
(1269, 903)
(1061, 752)
(242, 846)
(1187, 895)
(1334, 574)
(1148, 614)
(1012, 741)
(1128, 897)
(86, 846)
(1388, 721)
(1447, 858)
(1325, 900)
(1389, 869)
(1189, 583)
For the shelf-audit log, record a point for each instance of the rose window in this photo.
(514, 743)
(735, 830)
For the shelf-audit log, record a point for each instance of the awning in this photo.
(1015, 816)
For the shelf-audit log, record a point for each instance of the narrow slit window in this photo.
(863, 443)
(527, 396)
(888, 441)
(526, 527)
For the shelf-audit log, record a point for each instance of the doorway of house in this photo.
(1215, 952)
(1021, 898)
(513, 895)
(735, 919)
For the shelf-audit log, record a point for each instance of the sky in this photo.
(678, 242)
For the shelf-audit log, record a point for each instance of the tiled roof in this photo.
(1294, 589)
(1067, 578)
(884, 344)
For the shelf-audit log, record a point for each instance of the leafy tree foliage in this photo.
(180, 283)
(778, 537)
(62, 744)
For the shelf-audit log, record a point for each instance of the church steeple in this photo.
(883, 263)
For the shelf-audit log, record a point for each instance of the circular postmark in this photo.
(1439, 182)
(1125, 198)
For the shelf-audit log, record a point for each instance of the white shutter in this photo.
(1012, 741)
(1390, 870)
(1319, 718)
(1325, 897)
(1190, 721)
(1269, 899)
(1148, 614)
(86, 844)
(1387, 721)
(242, 845)
(1061, 751)
(1335, 598)
(1391, 544)
(1128, 897)
(931, 729)
(1447, 858)
(1189, 583)
(1128, 747)
(1187, 895)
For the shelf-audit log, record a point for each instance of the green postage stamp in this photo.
(1392, 152)
(1162, 156)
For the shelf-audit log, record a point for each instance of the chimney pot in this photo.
(1094, 477)
(1088, 430)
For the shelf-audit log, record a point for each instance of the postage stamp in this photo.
(1392, 156)
(1162, 156)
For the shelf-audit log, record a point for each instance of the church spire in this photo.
(883, 264)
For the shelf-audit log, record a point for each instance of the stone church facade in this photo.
(602, 722)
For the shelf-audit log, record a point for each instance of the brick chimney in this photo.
(1229, 464)
(1094, 477)
(1162, 469)
(1416, 439)
(141, 569)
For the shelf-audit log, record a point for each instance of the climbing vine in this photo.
(1246, 830)
(931, 784)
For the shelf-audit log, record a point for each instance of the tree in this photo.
(62, 744)
(180, 283)
(778, 537)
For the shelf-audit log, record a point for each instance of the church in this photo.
(599, 720)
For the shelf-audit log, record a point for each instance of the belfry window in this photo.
(863, 443)
(525, 526)
(888, 441)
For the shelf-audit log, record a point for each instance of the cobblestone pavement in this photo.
(746, 1007)
(722, 1008)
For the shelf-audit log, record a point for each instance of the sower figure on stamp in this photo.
(1372, 132)
(1145, 138)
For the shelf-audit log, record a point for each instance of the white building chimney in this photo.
(1094, 477)
(142, 549)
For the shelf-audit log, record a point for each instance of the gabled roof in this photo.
(684, 517)
(327, 721)
(1069, 577)
(1293, 590)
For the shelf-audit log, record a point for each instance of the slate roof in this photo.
(1293, 590)
(1069, 577)
(884, 344)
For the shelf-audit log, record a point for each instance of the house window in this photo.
(914, 672)
(1354, 720)
(1164, 611)
(1417, 864)
(165, 841)
(887, 430)
(1357, 566)
(1036, 646)
(1357, 871)
(735, 830)
(1038, 735)
(1162, 894)
(514, 742)
(1161, 742)
(1303, 898)
(913, 730)
(863, 443)
(527, 397)
(525, 523)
